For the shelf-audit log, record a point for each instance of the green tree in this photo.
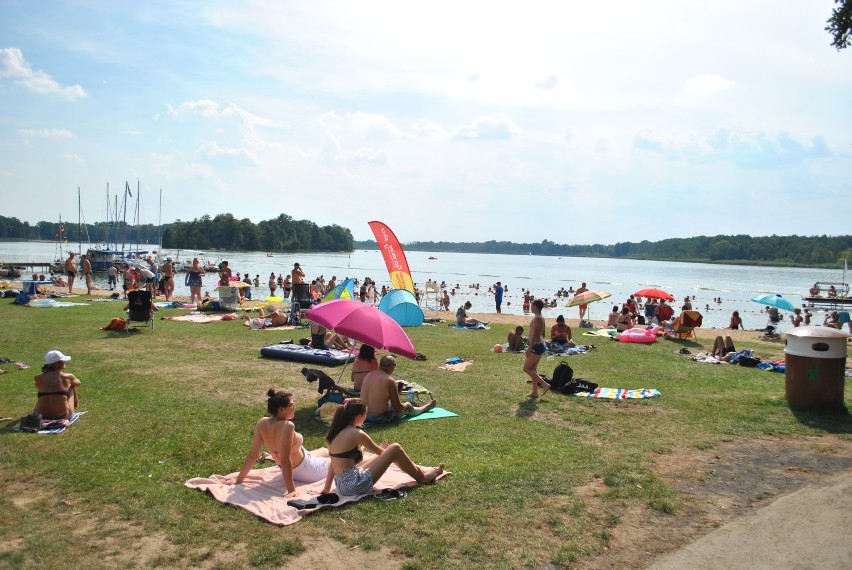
(840, 24)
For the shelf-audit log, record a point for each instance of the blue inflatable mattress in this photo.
(299, 353)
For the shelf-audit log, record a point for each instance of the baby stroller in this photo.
(331, 391)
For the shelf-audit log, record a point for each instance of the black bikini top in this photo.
(354, 454)
(40, 394)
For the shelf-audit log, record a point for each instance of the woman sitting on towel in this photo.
(624, 320)
(57, 389)
(722, 349)
(365, 363)
(352, 475)
(560, 333)
(284, 443)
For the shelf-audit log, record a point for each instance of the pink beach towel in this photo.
(200, 319)
(262, 492)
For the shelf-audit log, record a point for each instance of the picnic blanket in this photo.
(267, 325)
(202, 318)
(606, 333)
(435, 413)
(619, 394)
(477, 326)
(262, 492)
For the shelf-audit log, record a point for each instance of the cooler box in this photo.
(815, 366)
(229, 298)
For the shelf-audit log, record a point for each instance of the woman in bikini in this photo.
(57, 389)
(279, 435)
(365, 363)
(351, 473)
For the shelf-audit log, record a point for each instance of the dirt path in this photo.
(768, 502)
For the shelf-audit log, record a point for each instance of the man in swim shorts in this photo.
(71, 269)
(87, 274)
(381, 394)
(582, 289)
(536, 349)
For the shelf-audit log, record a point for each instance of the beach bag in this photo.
(562, 375)
(749, 361)
(31, 423)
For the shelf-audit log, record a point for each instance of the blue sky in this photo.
(575, 122)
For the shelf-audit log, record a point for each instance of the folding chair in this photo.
(140, 310)
(684, 325)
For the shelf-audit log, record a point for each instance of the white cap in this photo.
(55, 356)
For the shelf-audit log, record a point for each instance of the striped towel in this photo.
(620, 393)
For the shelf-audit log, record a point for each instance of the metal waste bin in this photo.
(815, 365)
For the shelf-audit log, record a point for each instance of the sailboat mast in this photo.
(160, 222)
(124, 214)
(79, 223)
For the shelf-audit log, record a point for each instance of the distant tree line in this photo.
(769, 250)
(98, 232)
(281, 234)
(221, 232)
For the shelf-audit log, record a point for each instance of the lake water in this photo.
(542, 275)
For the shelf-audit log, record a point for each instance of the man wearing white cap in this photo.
(57, 389)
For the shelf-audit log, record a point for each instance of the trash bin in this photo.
(815, 359)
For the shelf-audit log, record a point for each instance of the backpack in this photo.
(562, 375)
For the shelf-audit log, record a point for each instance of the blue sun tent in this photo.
(401, 306)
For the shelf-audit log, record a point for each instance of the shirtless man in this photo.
(536, 349)
(516, 339)
(277, 317)
(463, 320)
(297, 275)
(168, 272)
(71, 269)
(381, 394)
(87, 273)
(582, 289)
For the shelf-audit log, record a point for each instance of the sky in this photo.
(574, 122)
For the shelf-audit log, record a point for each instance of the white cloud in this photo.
(46, 133)
(213, 110)
(132, 133)
(227, 156)
(13, 65)
(171, 111)
(490, 127)
(548, 84)
(429, 129)
(702, 88)
(71, 158)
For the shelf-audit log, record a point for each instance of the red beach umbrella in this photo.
(652, 293)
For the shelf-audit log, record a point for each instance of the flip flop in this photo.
(22, 365)
(390, 494)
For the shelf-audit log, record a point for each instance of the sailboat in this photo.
(58, 264)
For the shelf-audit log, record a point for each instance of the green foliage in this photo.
(775, 250)
(840, 24)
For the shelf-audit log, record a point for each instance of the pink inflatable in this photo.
(638, 335)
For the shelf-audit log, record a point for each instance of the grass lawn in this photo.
(182, 402)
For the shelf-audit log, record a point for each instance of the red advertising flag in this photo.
(394, 257)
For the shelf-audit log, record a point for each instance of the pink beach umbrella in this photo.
(364, 323)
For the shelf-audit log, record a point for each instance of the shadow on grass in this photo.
(527, 408)
(832, 421)
(8, 426)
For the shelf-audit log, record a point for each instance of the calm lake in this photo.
(542, 275)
